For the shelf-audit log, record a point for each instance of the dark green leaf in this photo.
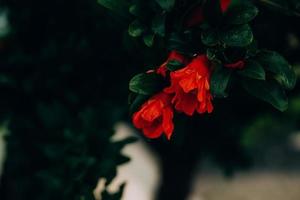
(182, 44)
(136, 29)
(238, 36)
(174, 65)
(269, 91)
(209, 37)
(149, 39)
(241, 14)
(253, 70)
(219, 81)
(166, 4)
(158, 25)
(275, 63)
(146, 83)
(137, 101)
(211, 53)
(118, 6)
(134, 10)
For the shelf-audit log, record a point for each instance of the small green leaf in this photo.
(253, 70)
(219, 81)
(137, 101)
(158, 25)
(166, 4)
(241, 14)
(146, 83)
(269, 91)
(211, 53)
(275, 63)
(182, 43)
(209, 37)
(149, 39)
(136, 29)
(174, 65)
(238, 36)
(118, 6)
(134, 10)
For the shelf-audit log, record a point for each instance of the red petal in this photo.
(153, 131)
(167, 124)
(237, 65)
(187, 103)
(224, 5)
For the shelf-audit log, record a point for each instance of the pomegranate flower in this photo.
(191, 87)
(174, 55)
(155, 116)
(197, 17)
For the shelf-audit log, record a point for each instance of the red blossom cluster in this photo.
(189, 91)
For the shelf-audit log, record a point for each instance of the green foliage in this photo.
(210, 37)
(135, 101)
(241, 14)
(275, 63)
(146, 83)
(219, 81)
(136, 29)
(166, 4)
(239, 36)
(253, 70)
(158, 25)
(268, 91)
(174, 65)
(59, 101)
(227, 38)
(149, 39)
(117, 6)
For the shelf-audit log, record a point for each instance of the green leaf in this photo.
(274, 62)
(158, 25)
(134, 10)
(211, 53)
(118, 6)
(166, 4)
(238, 36)
(269, 92)
(146, 83)
(149, 39)
(174, 65)
(136, 29)
(219, 81)
(137, 101)
(182, 43)
(241, 14)
(209, 37)
(253, 70)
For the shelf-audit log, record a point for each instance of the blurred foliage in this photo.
(58, 100)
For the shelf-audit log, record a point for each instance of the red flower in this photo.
(155, 116)
(225, 5)
(197, 17)
(174, 55)
(237, 65)
(191, 87)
